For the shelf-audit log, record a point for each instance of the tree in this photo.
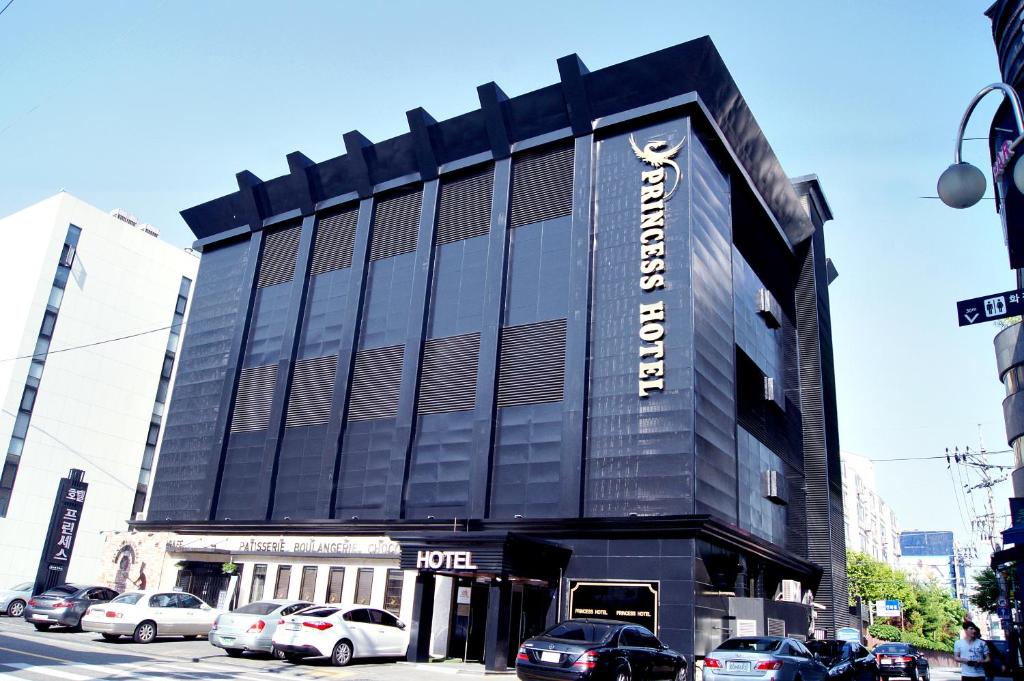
(986, 596)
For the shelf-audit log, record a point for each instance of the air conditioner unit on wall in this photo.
(768, 308)
(774, 393)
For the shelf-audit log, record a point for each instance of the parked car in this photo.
(64, 605)
(598, 650)
(845, 660)
(769, 657)
(341, 633)
(252, 626)
(13, 600)
(147, 615)
(901, 659)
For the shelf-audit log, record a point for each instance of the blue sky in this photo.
(154, 106)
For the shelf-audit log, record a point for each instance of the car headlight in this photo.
(838, 670)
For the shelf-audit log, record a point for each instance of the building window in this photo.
(259, 581)
(393, 592)
(308, 584)
(35, 372)
(284, 578)
(166, 369)
(364, 586)
(335, 582)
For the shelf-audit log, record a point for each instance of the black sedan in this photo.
(902, 659)
(598, 650)
(845, 660)
(64, 605)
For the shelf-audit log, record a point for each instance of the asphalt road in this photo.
(62, 655)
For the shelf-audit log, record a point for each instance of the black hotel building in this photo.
(569, 351)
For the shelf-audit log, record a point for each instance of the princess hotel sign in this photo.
(652, 260)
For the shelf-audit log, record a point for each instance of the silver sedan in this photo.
(13, 600)
(762, 658)
(252, 626)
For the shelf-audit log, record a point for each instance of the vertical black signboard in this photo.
(60, 538)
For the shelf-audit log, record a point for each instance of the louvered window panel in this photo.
(335, 237)
(395, 225)
(279, 251)
(448, 374)
(252, 401)
(464, 210)
(309, 403)
(541, 186)
(375, 383)
(532, 363)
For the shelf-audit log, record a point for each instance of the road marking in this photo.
(46, 671)
(43, 657)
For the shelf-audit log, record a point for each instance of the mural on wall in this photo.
(125, 560)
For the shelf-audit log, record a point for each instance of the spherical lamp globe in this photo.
(961, 185)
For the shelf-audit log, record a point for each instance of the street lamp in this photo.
(962, 185)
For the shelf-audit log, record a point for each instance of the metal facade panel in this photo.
(252, 400)
(279, 251)
(335, 237)
(191, 435)
(713, 336)
(541, 185)
(532, 363)
(309, 403)
(639, 453)
(448, 374)
(439, 469)
(464, 208)
(395, 225)
(375, 383)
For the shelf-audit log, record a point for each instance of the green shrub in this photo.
(925, 643)
(885, 632)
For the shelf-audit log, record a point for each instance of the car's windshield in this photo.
(759, 645)
(257, 608)
(891, 649)
(589, 632)
(24, 586)
(62, 590)
(129, 598)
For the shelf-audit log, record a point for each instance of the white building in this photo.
(871, 526)
(91, 315)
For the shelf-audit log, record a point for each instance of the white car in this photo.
(145, 615)
(340, 632)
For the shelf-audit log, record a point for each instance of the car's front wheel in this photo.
(622, 674)
(16, 608)
(680, 674)
(277, 654)
(342, 654)
(145, 632)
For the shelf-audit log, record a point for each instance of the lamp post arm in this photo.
(1015, 106)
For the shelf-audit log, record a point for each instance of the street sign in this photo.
(990, 308)
(60, 538)
(887, 608)
(848, 634)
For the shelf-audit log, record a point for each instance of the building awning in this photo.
(493, 553)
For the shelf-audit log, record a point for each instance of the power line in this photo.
(94, 344)
(943, 457)
(6, 6)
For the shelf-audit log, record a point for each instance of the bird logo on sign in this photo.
(657, 159)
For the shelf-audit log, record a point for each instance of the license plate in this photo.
(550, 657)
(292, 626)
(886, 660)
(736, 666)
(41, 617)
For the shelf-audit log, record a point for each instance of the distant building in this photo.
(871, 526)
(932, 556)
(75, 278)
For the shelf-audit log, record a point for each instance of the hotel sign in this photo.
(448, 560)
(635, 602)
(651, 373)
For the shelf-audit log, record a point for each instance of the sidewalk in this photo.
(463, 669)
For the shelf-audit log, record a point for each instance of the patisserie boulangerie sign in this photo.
(653, 197)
